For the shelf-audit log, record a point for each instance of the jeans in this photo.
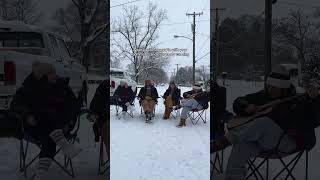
(187, 106)
(249, 140)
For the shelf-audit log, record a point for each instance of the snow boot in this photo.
(42, 168)
(182, 123)
(69, 150)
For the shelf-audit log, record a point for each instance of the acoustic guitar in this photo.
(261, 111)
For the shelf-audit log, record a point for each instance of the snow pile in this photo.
(160, 150)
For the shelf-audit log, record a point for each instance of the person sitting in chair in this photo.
(125, 96)
(148, 98)
(49, 109)
(195, 89)
(171, 98)
(194, 100)
(264, 132)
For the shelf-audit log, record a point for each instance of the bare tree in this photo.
(89, 32)
(295, 30)
(137, 33)
(20, 10)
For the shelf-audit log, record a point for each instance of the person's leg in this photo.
(168, 107)
(106, 139)
(260, 135)
(145, 106)
(263, 131)
(236, 168)
(123, 105)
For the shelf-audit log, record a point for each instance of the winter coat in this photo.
(125, 94)
(203, 98)
(218, 108)
(43, 100)
(175, 95)
(299, 114)
(143, 92)
(99, 104)
(189, 93)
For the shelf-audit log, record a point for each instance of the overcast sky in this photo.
(180, 24)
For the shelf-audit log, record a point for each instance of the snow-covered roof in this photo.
(289, 66)
(19, 26)
(116, 69)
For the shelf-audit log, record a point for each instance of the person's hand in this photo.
(119, 99)
(127, 104)
(92, 117)
(31, 120)
(251, 108)
(312, 92)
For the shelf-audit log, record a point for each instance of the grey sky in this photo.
(177, 10)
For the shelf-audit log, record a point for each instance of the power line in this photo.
(202, 46)
(203, 56)
(124, 3)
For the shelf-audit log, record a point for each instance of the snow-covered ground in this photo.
(85, 165)
(240, 88)
(160, 150)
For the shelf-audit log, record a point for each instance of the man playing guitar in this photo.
(262, 132)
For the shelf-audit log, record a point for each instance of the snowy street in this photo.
(160, 150)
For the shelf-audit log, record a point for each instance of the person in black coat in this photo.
(172, 98)
(199, 100)
(299, 115)
(148, 98)
(124, 95)
(49, 109)
(99, 114)
(219, 108)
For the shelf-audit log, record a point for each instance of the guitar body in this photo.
(241, 120)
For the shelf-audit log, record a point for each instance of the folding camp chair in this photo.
(25, 139)
(195, 115)
(118, 112)
(288, 167)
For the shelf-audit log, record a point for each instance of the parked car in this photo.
(116, 75)
(21, 45)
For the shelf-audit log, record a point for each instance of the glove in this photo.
(92, 117)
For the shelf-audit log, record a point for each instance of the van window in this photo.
(117, 74)
(55, 46)
(21, 39)
(63, 49)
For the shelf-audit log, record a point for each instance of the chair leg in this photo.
(307, 164)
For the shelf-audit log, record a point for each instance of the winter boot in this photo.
(42, 168)
(182, 123)
(69, 150)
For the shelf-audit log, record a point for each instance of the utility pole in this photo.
(268, 21)
(194, 14)
(216, 42)
(177, 73)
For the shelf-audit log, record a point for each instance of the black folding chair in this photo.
(25, 139)
(195, 115)
(118, 112)
(276, 154)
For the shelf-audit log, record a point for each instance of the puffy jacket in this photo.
(175, 95)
